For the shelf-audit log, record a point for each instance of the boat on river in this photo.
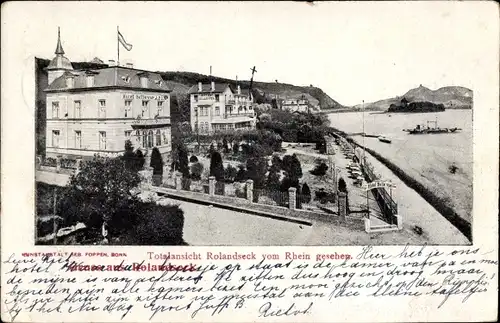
(424, 130)
(384, 139)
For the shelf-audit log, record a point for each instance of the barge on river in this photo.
(422, 130)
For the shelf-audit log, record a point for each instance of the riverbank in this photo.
(424, 162)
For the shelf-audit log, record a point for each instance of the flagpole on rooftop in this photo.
(118, 46)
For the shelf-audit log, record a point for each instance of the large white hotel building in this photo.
(95, 111)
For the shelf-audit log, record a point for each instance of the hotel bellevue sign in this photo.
(145, 97)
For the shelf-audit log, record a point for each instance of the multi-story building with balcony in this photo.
(216, 107)
(95, 111)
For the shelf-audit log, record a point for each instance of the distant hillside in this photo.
(263, 92)
(452, 97)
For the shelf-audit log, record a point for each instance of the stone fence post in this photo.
(58, 163)
(78, 165)
(211, 185)
(342, 205)
(292, 198)
(178, 181)
(39, 161)
(249, 190)
(399, 220)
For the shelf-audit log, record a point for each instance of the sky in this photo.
(353, 51)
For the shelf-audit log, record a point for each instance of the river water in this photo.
(427, 158)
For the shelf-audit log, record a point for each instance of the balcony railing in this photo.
(235, 115)
(151, 122)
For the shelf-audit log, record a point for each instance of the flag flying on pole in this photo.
(124, 42)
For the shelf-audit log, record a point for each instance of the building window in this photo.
(206, 111)
(55, 109)
(144, 139)
(145, 107)
(55, 138)
(144, 81)
(102, 108)
(78, 109)
(216, 98)
(150, 139)
(195, 97)
(78, 139)
(165, 140)
(138, 138)
(158, 137)
(160, 108)
(128, 104)
(128, 134)
(217, 111)
(102, 140)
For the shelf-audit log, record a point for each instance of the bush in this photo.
(68, 163)
(193, 159)
(342, 187)
(49, 161)
(241, 175)
(320, 170)
(325, 196)
(158, 225)
(230, 173)
(216, 166)
(236, 148)
(196, 171)
(306, 193)
(156, 162)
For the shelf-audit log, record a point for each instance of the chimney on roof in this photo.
(200, 87)
(213, 86)
(130, 65)
(111, 62)
(239, 89)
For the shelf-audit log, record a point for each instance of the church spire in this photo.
(59, 49)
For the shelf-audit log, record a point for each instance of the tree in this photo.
(342, 185)
(273, 178)
(180, 159)
(211, 150)
(236, 148)
(225, 145)
(102, 193)
(216, 167)
(306, 193)
(129, 156)
(139, 160)
(156, 162)
(256, 171)
(293, 170)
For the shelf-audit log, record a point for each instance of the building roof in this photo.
(115, 76)
(60, 62)
(207, 88)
